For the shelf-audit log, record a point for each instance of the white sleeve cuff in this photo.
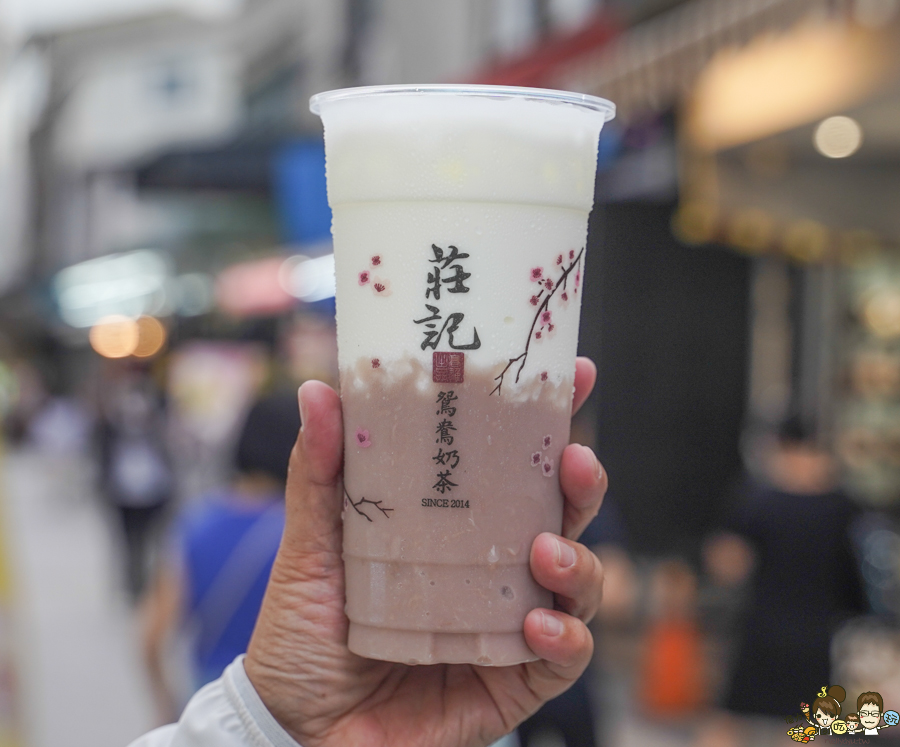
(227, 712)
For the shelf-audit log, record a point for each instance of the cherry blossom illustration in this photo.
(376, 363)
(362, 438)
(542, 324)
(536, 459)
(545, 444)
(359, 505)
(547, 468)
(381, 287)
(376, 260)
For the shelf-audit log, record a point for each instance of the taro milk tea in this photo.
(460, 220)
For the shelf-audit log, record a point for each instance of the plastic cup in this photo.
(459, 221)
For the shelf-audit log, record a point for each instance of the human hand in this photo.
(325, 696)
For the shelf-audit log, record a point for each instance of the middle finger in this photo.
(571, 571)
(583, 482)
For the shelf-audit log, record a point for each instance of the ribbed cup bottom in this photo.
(420, 647)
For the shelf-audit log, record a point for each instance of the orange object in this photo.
(672, 678)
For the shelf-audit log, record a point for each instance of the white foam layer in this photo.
(440, 147)
(507, 182)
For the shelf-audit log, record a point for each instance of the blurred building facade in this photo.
(170, 130)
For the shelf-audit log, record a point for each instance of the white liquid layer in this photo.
(504, 243)
(508, 182)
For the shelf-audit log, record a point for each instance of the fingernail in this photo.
(565, 555)
(302, 408)
(550, 625)
(598, 469)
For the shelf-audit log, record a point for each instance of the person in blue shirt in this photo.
(223, 547)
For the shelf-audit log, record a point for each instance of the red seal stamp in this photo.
(448, 368)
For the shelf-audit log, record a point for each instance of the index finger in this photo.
(585, 377)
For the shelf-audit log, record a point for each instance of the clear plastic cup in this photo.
(460, 222)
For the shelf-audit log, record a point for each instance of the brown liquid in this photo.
(447, 581)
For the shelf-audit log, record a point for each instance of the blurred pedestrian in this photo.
(788, 538)
(211, 584)
(135, 471)
(672, 682)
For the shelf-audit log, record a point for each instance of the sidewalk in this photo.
(80, 681)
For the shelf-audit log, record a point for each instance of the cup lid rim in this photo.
(583, 100)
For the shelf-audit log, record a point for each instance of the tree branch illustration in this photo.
(361, 501)
(544, 304)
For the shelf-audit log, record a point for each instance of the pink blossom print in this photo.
(542, 324)
(376, 260)
(362, 438)
(364, 277)
(545, 444)
(381, 287)
(547, 468)
(536, 459)
(376, 363)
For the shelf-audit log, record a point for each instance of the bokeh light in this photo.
(114, 336)
(695, 222)
(881, 312)
(751, 230)
(151, 337)
(806, 241)
(838, 137)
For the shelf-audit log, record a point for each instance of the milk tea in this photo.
(460, 220)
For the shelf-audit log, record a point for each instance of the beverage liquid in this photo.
(460, 222)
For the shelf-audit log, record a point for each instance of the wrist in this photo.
(251, 696)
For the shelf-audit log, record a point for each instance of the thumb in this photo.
(313, 500)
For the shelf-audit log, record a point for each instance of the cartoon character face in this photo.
(869, 715)
(823, 719)
(852, 725)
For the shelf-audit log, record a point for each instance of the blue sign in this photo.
(298, 173)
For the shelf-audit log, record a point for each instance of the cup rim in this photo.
(583, 100)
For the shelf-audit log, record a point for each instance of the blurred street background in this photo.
(165, 262)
